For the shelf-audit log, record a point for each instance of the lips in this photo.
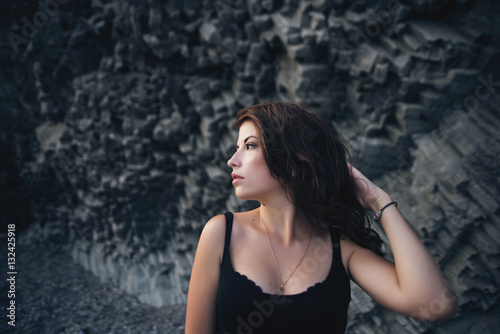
(236, 177)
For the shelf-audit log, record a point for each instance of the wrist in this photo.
(380, 202)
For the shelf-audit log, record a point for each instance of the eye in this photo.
(250, 145)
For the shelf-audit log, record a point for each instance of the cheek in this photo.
(264, 174)
(259, 164)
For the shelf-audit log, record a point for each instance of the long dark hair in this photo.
(310, 162)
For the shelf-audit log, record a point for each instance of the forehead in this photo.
(247, 128)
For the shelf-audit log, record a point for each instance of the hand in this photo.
(370, 196)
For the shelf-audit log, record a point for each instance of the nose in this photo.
(233, 161)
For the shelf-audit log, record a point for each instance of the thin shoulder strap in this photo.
(335, 235)
(229, 227)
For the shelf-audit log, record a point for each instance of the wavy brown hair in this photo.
(310, 162)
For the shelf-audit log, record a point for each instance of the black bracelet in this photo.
(378, 214)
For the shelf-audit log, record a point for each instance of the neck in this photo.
(285, 223)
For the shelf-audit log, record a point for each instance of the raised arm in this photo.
(201, 310)
(413, 285)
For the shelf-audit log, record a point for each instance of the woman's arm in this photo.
(201, 310)
(413, 285)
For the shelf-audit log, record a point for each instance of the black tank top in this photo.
(243, 308)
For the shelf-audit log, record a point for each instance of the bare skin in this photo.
(413, 285)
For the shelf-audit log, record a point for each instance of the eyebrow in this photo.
(246, 139)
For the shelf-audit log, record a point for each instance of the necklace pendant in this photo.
(282, 288)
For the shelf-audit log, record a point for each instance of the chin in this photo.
(244, 196)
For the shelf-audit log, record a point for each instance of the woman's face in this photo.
(252, 179)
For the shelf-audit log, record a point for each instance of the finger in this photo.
(354, 171)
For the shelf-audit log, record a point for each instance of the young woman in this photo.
(285, 266)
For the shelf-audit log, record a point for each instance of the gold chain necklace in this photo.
(282, 283)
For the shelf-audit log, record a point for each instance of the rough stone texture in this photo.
(55, 295)
(116, 124)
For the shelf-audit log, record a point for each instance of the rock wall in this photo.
(116, 125)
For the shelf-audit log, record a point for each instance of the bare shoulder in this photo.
(348, 247)
(205, 276)
(212, 236)
(215, 227)
(212, 239)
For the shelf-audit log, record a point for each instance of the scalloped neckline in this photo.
(313, 287)
(308, 290)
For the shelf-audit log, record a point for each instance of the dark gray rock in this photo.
(116, 124)
(170, 129)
